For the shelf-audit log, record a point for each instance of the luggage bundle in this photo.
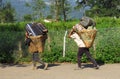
(35, 29)
(37, 43)
(87, 21)
(87, 35)
(38, 35)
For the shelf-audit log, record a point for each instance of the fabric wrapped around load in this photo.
(35, 29)
(37, 43)
(88, 36)
(87, 21)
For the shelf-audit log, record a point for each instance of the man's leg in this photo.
(34, 61)
(90, 57)
(79, 56)
(37, 59)
(43, 63)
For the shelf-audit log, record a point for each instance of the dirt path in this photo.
(59, 71)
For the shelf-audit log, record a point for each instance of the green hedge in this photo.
(107, 22)
(103, 22)
(108, 45)
(8, 46)
(106, 49)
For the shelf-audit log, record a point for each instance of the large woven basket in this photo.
(88, 36)
(37, 43)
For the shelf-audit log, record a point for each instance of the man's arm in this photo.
(71, 32)
(26, 34)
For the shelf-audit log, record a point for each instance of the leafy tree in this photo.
(0, 4)
(65, 9)
(27, 17)
(38, 7)
(60, 8)
(9, 13)
(6, 12)
(1, 9)
(55, 9)
(101, 7)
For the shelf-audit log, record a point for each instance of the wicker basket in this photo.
(88, 36)
(37, 43)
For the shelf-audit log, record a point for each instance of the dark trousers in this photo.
(81, 51)
(35, 58)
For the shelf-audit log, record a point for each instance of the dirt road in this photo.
(59, 71)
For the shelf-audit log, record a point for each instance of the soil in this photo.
(59, 71)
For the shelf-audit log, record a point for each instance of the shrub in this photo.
(106, 48)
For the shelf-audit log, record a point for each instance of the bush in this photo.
(8, 43)
(103, 22)
(106, 48)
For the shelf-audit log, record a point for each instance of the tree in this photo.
(65, 9)
(60, 9)
(38, 7)
(1, 9)
(0, 3)
(101, 7)
(27, 17)
(6, 12)
(9, 13)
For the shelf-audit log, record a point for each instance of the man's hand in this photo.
(70, 33)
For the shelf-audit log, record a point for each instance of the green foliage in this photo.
(103, 22)
(60, 9)
(27, 17)
(101, 8)
(8, 43)
(106, 43)
(38, 7)
(107, 22)
(7, 12)
(13, 26)
(60, 25)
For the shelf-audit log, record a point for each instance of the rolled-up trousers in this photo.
(35, 58)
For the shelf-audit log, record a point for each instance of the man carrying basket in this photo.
(36, 35)
(76, 33)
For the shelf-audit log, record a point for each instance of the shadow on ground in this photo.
(49, 65)
(91, 65)
(10, 65)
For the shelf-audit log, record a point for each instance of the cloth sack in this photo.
(88, 36)
(37, 44)
(87, 21)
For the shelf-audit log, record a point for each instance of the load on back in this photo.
(88, 35)
(37, 34)
(35, 29)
